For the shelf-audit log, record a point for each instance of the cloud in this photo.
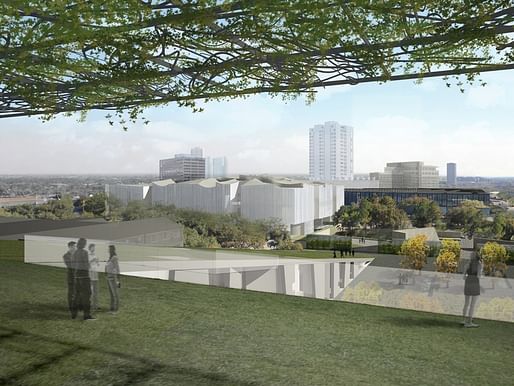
(478, 148)
(329, 92)
(264, 135)
(487, 96)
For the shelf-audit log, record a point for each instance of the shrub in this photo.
(494, 257)
(447, 261)
(415, 251)
(389, 249)
(289, 245)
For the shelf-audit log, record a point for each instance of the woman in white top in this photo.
(112, 269)
(94, 266)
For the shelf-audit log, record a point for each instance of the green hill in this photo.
(185, 334)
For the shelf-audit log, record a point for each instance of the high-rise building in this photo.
(184, 167)
(197, 152)
(408, 175)
(451, 174)
(215, 167)
(331, 152)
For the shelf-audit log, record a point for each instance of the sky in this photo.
(395, 121)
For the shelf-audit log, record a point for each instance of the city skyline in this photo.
(392, 122)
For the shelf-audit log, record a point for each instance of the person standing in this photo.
(70, 275)
(82, 293)
(112, 269)
(471, 290)
(94, 265)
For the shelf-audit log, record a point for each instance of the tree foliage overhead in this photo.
(64, 56)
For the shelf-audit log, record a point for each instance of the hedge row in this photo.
(329, 244)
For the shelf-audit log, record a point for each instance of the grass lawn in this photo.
(185, 334)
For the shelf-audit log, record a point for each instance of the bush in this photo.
(194, 240)
(389, 249)
(289, 245)
(494, 257)
(447, 261)
(328, 244)
(415, 251)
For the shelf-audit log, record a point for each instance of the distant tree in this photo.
(384, 213)
(508, 233)
(467, 216)
(421, 211)
(95, 204)
(365, 208)
(494, 257)
(347, 218)
(275, 230)
(414, 252)
(135, 210)
(497, 229)
(63, 208)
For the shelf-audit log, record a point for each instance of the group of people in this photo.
(82, 276)
(343, 252)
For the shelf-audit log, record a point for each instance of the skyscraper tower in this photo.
(331, 152)
(451, 174)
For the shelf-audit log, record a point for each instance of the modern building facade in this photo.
(126, 193)
(445, 198)
(331, 152)
(407, 175)
(451, 174)
(183, 167)
(300, 205)
(206, 195)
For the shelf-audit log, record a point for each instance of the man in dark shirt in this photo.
(70, 273)
(82, 293)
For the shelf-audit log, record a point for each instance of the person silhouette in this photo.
(112, 269)
(471, 289)
(93, 276)
(82, 289)
(70, 274)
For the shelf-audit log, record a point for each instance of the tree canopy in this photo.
(67, 56)
(421, 211)
(375, 212)
(467, 216)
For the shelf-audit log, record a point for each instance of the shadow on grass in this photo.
(36, 311)
(399, 321)
(109, 367)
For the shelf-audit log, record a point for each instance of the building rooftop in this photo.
(12, 228)
(114, 230)
(425, 190)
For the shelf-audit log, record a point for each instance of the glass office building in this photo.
(445, 198)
